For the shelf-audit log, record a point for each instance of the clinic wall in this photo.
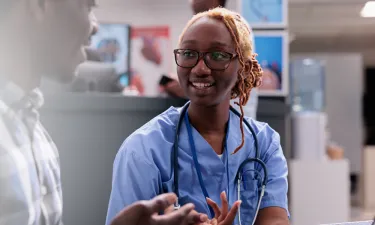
(174, 13)
(344, 91)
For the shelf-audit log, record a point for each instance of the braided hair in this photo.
(249, 75)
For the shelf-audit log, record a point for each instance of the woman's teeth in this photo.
(203, 85)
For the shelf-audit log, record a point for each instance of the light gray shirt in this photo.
(30, 186)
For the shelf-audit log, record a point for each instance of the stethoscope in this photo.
(184, 116)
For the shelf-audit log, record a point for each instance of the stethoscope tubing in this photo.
(238, 174)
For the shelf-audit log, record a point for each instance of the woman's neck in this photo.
(209, 120)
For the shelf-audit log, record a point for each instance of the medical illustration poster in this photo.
(272, 49)
(151, 52)
(264, 13)
(111, 43)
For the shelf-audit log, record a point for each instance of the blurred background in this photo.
(318, 92)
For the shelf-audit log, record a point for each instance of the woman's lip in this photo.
(201, 91)
(202, 84)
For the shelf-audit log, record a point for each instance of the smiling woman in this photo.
(222, 47)
(206, 140)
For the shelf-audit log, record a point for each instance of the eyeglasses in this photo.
(215, 60)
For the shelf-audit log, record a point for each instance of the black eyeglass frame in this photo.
(203, 55)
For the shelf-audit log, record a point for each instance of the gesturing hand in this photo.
(222, 216)
(196, 218)
(146, 213)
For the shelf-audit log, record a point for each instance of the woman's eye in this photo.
(219, 56)
(188, 54)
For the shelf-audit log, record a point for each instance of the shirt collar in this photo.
(14, 96)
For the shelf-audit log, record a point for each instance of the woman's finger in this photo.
(169, 209)
(215, 207)
(197, 218)
(232, 214)
(181, 216)
(214, 222)
(224, 205)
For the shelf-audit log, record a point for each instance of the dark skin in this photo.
(209, 108)
(173, 88)
(146, 213)
(272, 216)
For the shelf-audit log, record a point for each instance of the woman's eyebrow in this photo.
(212, 44)
(219, 44)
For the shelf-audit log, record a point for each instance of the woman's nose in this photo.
(201, 68)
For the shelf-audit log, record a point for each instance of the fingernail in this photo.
(203, 218)
(190, 206)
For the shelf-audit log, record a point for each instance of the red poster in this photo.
(151, 57)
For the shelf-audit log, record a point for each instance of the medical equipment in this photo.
(184, 116)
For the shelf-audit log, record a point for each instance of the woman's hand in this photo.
(222, 216)
(199, 218)
(146, 213)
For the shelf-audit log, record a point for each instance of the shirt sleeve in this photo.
(134, 179)
(277, 184)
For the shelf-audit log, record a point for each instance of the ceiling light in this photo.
(369, 9)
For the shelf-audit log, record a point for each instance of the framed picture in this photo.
(264, 14)
(112, 45)
(151, 53)
(272, 48)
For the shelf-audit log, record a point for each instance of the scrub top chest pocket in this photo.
(249, 194)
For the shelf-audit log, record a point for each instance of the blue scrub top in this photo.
(142, 168)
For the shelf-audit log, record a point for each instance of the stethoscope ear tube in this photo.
(175, 156)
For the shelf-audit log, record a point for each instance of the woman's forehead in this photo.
(207, 32)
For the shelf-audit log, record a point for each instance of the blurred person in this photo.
(91, 53)
(39, 38)
(94, 26)
(198, 151)
(45, 38)
(174, 89)
(199, 6)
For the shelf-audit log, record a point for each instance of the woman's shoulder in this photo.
(157, 132)
(268, 138)
(261, 128)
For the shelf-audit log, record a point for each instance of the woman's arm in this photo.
(274, 205)
(272, 216)
(133, 180)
